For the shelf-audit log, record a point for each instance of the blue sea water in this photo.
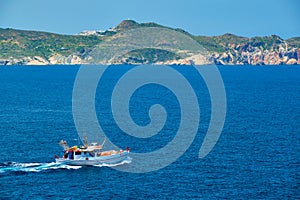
(256, 157)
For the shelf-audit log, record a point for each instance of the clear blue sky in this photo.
(199, 17)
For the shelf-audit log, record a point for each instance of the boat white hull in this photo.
(89, 161)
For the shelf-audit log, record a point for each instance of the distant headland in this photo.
(20, 47)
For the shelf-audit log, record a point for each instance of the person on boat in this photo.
(71, 155)
(65, 155)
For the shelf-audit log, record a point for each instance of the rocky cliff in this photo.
(19, 47)
(269, 50)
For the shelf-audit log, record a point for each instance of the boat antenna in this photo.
(103, 142)
(78, 138)
(85, 141)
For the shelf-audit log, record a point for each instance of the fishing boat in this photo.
(90, 154)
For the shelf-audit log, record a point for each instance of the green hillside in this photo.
(20, 44)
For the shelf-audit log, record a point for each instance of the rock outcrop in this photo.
(271, 50)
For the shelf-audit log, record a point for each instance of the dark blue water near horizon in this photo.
(256, 157)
